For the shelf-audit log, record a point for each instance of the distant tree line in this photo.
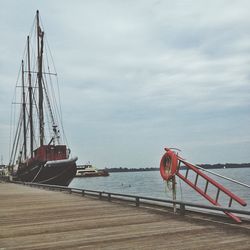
(120, 169)
(227, 165)
(205, 166)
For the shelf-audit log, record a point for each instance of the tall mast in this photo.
(30, 100)
(24, 116)
(40, 35)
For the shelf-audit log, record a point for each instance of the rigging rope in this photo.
(223, 177)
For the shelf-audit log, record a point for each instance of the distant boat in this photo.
(90, 171)
(2, 170)
(38, 154)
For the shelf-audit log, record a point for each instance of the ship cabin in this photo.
(51, 153)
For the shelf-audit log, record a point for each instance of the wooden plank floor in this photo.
(32, 218)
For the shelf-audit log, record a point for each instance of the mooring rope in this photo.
(37, 173)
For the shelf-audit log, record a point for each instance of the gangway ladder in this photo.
(171, 161)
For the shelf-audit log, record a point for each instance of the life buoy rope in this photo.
(168, 164)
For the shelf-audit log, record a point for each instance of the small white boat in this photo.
(90, 171)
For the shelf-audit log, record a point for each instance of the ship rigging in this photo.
(38, 153)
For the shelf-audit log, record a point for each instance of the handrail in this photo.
(138, 199)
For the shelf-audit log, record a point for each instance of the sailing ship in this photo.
(38, 153)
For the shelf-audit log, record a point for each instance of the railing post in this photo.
(182, 209)
(109, 197)
(137, 201)
(83, 192)
(100, 195)
(70, 191)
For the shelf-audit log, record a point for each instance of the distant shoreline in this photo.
(205, 166)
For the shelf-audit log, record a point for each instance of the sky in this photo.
(138, 76)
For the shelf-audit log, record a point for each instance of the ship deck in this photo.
(33, 218)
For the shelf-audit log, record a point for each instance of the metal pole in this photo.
(174, 192)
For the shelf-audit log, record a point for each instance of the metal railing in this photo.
(138, 200)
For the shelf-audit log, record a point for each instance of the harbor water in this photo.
(150, 184)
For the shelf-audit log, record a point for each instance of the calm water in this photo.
(151, 184)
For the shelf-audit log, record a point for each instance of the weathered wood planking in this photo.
(33, 218)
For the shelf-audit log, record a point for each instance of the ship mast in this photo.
(30, 100)
(40, 35)
(24, 115)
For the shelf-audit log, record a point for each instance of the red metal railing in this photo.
(194, 184)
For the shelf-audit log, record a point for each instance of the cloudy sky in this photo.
(138, 76)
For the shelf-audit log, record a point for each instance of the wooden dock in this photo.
(32, 218)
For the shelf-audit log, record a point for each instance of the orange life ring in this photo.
(168, 164)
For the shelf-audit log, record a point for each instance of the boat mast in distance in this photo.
(30, 99)
(40, 35)
(24, 116)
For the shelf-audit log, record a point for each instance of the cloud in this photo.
(136, 76)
